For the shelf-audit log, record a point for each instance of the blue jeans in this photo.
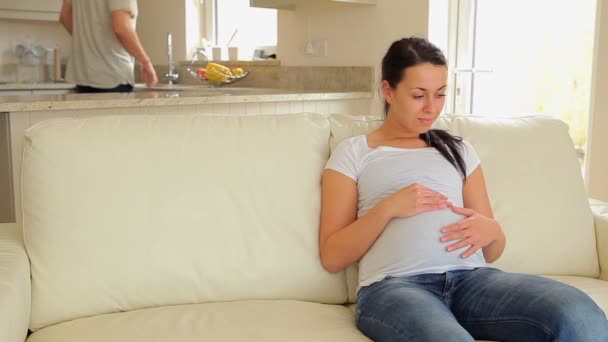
(483, 303)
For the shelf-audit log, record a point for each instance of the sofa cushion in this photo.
(15, 289)
(130, 212)
(266, 321)
(535, 186)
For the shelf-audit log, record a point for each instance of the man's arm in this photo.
(65, 17)
(121, 25)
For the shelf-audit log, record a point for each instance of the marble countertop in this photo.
(36, 86)
(181, 95)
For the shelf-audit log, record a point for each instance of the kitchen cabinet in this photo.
(15, 92)
(35, 92)
(47, 10)
(7, 206)
(310, 4)
(39, 89)
(51, 91)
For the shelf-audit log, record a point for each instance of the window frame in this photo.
(210, 28)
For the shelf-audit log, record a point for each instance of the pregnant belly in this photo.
(411, 246)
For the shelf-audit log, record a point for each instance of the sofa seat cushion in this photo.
(280, 320)
(241, 321)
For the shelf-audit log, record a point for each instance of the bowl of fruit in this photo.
(218, 75)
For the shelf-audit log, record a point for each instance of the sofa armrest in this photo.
(15, 285)
(600, 215)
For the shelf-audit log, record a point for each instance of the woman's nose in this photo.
(429, 105)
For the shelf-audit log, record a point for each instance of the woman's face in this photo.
(418, 99)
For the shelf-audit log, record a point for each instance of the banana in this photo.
(218, 73)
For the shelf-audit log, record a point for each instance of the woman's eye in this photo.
(441, 95)
(418, 96)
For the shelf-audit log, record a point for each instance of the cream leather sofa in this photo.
(205, 227)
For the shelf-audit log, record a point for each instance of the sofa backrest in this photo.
(129, 212)
(535, 187)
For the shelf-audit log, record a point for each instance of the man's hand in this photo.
(148, 74)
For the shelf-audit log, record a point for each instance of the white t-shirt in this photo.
(98, 59)
(407, 246)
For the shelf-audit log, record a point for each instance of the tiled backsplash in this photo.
(11, 73)
(327, 78)
(29, 33)
(8, 73)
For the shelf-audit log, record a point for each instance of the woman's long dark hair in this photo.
(408, 52)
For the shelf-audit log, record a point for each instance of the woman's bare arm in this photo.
(475, 196)
(342, 238)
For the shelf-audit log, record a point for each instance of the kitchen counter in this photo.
(37, 86)
(143, 97)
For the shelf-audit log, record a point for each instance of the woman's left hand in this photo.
(476, 231)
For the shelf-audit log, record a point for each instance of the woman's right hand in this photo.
(412, 200)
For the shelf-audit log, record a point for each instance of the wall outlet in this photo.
(316, 48)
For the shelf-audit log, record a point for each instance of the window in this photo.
(519, 57)
(248, 27)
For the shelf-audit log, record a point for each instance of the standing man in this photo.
(104, 43)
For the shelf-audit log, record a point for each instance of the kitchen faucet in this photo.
(171, 76)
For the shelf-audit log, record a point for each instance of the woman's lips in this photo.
(426, 121)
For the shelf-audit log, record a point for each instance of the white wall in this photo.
(356, 35)
(597, 163)
(48, 34)
(156, 18)
(183, 18)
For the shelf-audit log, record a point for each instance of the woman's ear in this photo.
(387, 92)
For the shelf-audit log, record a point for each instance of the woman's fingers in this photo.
(431, 207)
(431, 193)
(429, 200)
(432, 198)
(463, 211)
(455, 236)
(426, 201)
(470, 251)
(462, 243)
(466, 223)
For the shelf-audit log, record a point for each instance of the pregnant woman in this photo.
(410, 203)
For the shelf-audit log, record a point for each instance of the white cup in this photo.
(233, 53)
(216, 53)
